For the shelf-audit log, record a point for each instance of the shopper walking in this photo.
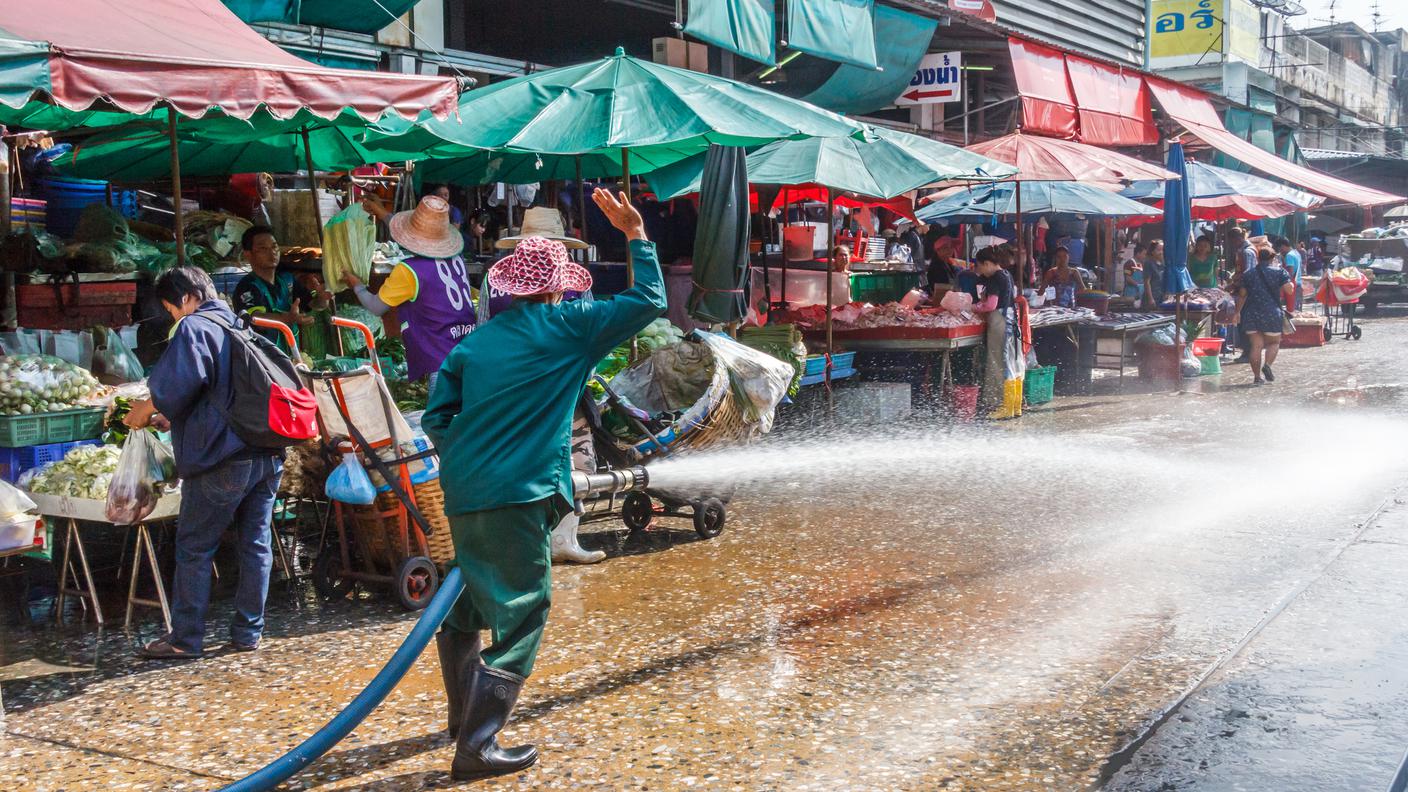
(503, 422)
(1260, 295)
(224, 482)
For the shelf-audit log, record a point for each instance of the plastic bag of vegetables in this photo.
(658, 335)
(84, 472)
(145, 464)
(41, 383)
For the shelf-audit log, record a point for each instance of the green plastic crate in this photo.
(1211, 364)
(883, 287)
(1039, 385)
(55, 427)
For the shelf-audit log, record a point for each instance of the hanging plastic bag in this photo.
(349, 482)
(113, 362)
(145, 464)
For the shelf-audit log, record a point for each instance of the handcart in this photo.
(1339, 297)
(715, 415)
(398, 540)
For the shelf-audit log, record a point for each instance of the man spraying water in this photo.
(501, 417)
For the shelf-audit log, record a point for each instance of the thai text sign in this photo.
(938, 79)
(1180, 28)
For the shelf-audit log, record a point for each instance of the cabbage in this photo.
(40, 383)
(85, 472)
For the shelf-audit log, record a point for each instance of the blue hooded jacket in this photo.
(190, 384)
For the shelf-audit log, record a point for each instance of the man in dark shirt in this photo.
(912, 237)
(267, 292)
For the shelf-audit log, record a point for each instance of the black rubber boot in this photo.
(459, 658)
(478, 753)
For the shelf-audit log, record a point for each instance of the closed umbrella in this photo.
(985, 202)
(1177, 225)
(721, 240)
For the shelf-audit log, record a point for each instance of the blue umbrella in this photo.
(1209, 181)
(998, 200)
(1178, 224)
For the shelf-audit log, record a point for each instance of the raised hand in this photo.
(620, 212)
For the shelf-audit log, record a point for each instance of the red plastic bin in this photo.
(1204, 347)
(963, 401)
(1308, 335)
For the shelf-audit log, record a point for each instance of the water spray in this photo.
(585, 486)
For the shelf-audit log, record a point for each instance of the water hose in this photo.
(305, 753)
(376, 691)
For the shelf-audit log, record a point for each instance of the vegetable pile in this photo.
(658, 335)
(85, 472)
(40, 383)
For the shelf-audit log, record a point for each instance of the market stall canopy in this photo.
(1040, 158)
(358, 16)
(220, 146)
(191, 55)
(986, 202)
(883, 163)
(1192, 108)
(1209, 181)
(1397, 212)
(1075, 98)
(660, 113)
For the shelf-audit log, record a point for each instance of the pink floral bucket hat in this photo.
(538, 266)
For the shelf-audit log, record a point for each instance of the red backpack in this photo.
(271, 407)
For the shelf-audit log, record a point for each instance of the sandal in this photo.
(163, 649)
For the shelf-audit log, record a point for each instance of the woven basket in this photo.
(430, 499)
(373, 535)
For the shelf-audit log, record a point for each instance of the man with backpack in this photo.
(229, 453)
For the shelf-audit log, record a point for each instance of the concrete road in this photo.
(1154, 591)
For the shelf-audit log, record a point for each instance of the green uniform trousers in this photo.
(505, 558)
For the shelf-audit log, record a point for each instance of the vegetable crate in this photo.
(1039, 385)
(75, 306)
(14, 461)
(54, 427)
(882, 287)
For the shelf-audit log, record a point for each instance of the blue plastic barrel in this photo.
(66, 199)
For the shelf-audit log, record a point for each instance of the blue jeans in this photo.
(239, 492)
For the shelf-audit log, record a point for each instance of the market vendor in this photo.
(430, 290)
(224, 482)
(994, 296)
(1062, 277)
(271, 294)
(504, 424)
(942, 272)
(1291, 263)
(1202, 263)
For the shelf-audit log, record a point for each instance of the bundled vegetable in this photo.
(41, 383)
(144, 466)
(658, 335)
(85, 472)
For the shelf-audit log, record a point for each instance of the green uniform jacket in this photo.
(501, 413)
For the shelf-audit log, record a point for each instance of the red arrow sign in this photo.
(916, 94)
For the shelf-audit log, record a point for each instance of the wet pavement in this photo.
(995, 607)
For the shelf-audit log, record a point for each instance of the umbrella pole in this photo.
(830, 274)
(786, 223)
(313, 185)
(177, 220)
(1021, 243)
(626, 184)
(581, 199)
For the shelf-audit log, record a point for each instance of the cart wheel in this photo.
(1356, 332)
(416, 582)
(709, 517)
(637, 511)
(1328, 335)
(328, 580)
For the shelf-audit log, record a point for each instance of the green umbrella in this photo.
(883, 163)
(220, 145)
(657, 112)
(721, 243)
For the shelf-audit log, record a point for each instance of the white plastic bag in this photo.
(761, 379)
(957, 302)
(13, 501)
(145, 464)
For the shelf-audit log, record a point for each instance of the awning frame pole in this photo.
(177, 210)
(830, 275)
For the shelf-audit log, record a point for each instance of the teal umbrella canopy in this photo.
(982, 203)
(883, 163)
(656, 111)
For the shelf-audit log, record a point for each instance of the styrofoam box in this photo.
(167, 506)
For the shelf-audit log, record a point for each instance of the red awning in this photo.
(195, 55)
(1040, 158)
(1048, 106)
(1113, 104)
(1191, 108)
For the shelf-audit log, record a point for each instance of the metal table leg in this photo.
(89, 594)
(144, 546)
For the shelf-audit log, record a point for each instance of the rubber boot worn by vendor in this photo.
(992, 293)
(502, 416)
(564, 537)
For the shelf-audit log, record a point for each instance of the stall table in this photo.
(912, 339)
(71, 510)
(1115, 329)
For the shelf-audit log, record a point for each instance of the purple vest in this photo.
(441, 313)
